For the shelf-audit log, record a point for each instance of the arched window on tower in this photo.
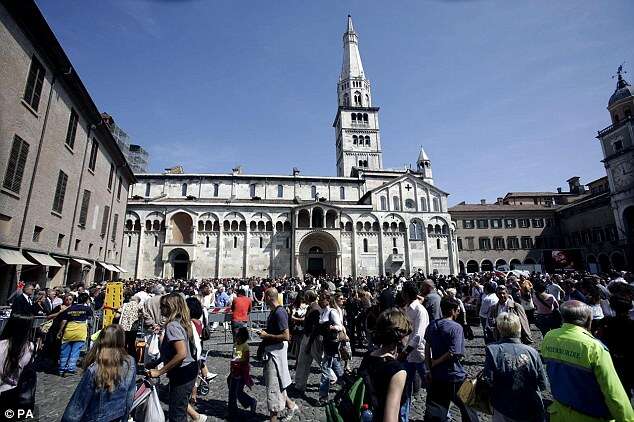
(252, 190)
(394, 242)
(365, 245)
(367, 100)
(355, 140)
(357, 98)
(261, 242)
(395, 203)
(423, 204)
(354, 118)
(346, 100)
(367, 140)
(342, 192)
(280, 191)
(360, 163)
(184, 189)
(365, 117)
(235, 242)
(383, 203)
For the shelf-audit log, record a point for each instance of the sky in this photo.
(504, 96)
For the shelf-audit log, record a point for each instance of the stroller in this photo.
(202, 383)
(146, 406)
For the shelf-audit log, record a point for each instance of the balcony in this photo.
(397, 257)
(613, 127)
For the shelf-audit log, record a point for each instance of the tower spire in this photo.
(352, 66)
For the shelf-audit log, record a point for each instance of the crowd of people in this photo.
(411, 332)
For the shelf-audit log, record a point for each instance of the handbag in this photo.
(205, 334)
(475, 394)
(153, 410)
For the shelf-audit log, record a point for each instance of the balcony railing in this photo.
(614, 126)
(397, 257)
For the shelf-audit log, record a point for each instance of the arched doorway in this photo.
(182, 228)
(515, 263)
(592, 264)
(318, 254)
(604, 263)
(473, 267)
(486, 265)
(618, 262)
(500, 263)
(180, 264)
(461, 266)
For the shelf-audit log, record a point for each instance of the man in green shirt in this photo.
(583, 381)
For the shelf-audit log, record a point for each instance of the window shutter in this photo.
(115, 223)
(85, 203)
(93, 155)
(34, 83)
(104, 221)
(60, 191)
(15, 166)
(72, 129)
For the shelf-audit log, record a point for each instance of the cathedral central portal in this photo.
(319, 254)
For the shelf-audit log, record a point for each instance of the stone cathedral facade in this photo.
(368, 220)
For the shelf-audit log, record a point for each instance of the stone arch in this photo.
(499, 263)
(472, 266)
(279, 226)
(515, 263)
(486, 265)
(529, 261)
(323, 260)
(182, 227)
(181, 263)
(331, 219)
(303, 219)
(317, 218)
(461, 267)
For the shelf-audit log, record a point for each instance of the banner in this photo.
(112, 302)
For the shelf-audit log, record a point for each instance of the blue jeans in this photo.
(329, 365)
(68, 355)
(237, 393)
(412, 368)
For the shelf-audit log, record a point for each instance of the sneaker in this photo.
(210, 376)
(254, 406)
(201, 418)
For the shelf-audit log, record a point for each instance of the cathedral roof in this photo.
(623, 89)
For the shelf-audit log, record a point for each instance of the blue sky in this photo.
(504, 96)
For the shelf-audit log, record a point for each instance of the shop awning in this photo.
(81, 261)
(121, 269)
(44, 259)
(13, 257)
(108, 267)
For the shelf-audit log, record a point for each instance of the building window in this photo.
(147, 189)
(60, 192)
(33, 89)
(155, 241)
(498, 243)
(523, 223)
(77, 242)
(129, 240)
(436, 204)
(104, 220)
(483, 224)
(261, 242)
(365, 245)
(367, 141)
(71, 132)
(252, 190)
(288, 243)
(94, 148)
(83, 213)
(207, 242)
(468, 224)
(235, 242)
(470, 244)
(60, 240)
(459, 242)
(383, 203)
(37, 231)
(110, 176)
(617, 145)
(423, 204)
(437, 243)
(393, 242)
(527, 242)
(538, 223)
(496, 223)
(484, 243)
(395, 203)
(342, 192)
(184, 189)
(280, 191)
(509, 223)
(512, 242)
(90, 247)
(355, 139)
(15, 165)
(119, 188)
(115, 223)
(313, 192)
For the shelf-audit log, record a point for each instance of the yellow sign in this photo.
(113, 301)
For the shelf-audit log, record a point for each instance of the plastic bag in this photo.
(153, 346)
(153, 410)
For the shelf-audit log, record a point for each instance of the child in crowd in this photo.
(239, 375)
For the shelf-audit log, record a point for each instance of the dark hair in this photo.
(539, 287)
(83, 298)
(409, 290)
(242, 334)
(195, 307)
(447, 305)
(18, 332)
(490, 287)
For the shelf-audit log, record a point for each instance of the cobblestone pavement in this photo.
(54, 392)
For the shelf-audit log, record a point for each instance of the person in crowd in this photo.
(239, 375)
(39, 303)
(553, 288)
(547, 314)
(106, 390)
(49, 355)
(16, 351)
(515, 374)
(73, 333)
(298, 314)
(432, 299)
(311, 348)
(584, 383)
(386, 372)
(615, 334)
(178, 356)
(414, 354)
(462, 317)
(489, 299)
(444, 349)
(387, 296)
(222, 298)
(330, 325)
(507, 304)
(240, 308)
(128, 316)
(275, 343)
(49, 303)
(526, 298)
(23, 303)
(196, 315)
(152, 315)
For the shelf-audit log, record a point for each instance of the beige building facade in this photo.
(64, 180)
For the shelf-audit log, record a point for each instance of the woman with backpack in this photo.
(330, 326)
(386, 374)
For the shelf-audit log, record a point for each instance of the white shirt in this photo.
(488, 302)
(418, 316)
(555, 290)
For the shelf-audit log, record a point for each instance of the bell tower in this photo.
(357, 121)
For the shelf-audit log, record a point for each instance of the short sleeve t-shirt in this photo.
(277, 321)
(241, 306)
(445, 335)
(77, 316)
(174, 331)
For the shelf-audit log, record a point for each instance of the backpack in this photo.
(347, 403)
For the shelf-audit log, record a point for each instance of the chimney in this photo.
(558, 190)
(574, 185)
(499, 201)
(296, 171)
(483, 201)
